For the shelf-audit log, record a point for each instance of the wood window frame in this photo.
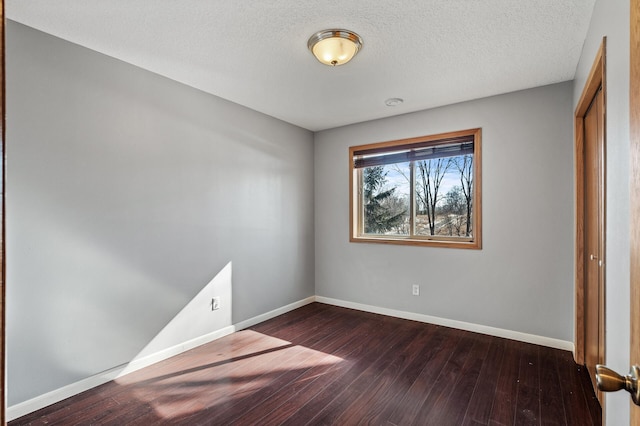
(355, 182)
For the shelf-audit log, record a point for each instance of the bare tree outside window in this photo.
(464, 164)
(428, 183)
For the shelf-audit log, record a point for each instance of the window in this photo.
(419, 191)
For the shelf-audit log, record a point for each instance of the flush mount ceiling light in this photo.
(334, 47)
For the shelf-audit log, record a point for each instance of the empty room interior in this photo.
(185, 179)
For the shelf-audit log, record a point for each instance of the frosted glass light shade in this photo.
(334, 47)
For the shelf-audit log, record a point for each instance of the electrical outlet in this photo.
(416, 290)
(215, 303)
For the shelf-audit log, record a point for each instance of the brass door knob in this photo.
(608, 380)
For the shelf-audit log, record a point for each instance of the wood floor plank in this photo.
(91, 415)
(552, 409)
(382, 341)
(453, 410)
(420, 390)
(406, 390)
(434, 409)
(291, 371)
(587, 388)
(528, 397)
(380, 401)
(219, 352)
(503, 410)
(130, 413)
(573, 393)
(479, 408)
(288, 399)
(300, 328)
(345, 403)
(322, 364)
(302, 314)
(68, 406)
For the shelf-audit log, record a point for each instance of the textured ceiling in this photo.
(254, 53)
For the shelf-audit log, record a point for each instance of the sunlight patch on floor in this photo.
(225, 372)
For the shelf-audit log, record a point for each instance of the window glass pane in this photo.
(385, 199)
(444, 196)
(418, 191)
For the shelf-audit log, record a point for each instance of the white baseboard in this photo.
(476, 328)
(26, 407)
(272, 314)
(15, 411)
(151, 359)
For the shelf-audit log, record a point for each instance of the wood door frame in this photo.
(595, 82)
(634, 181)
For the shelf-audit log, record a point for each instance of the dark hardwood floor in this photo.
(322, 364)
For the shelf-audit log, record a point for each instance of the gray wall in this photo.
(522, 279)
(127, 194)
(611, 19)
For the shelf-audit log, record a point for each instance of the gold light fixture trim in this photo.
(334, 47)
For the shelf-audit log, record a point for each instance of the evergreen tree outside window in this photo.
(386, 206)
(420, 191)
